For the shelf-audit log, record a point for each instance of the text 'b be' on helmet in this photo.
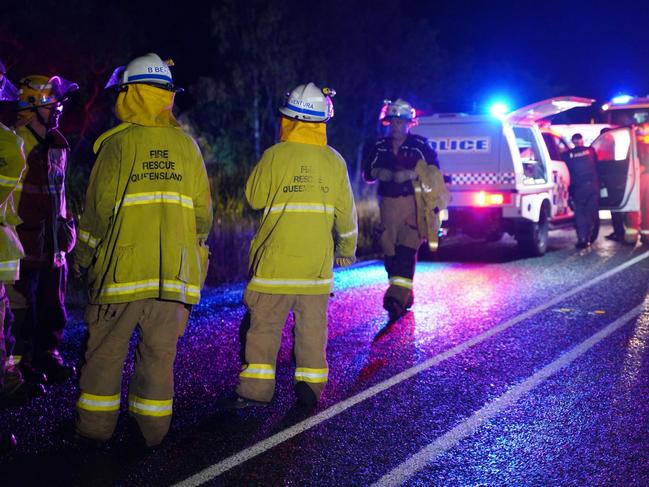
(8, 92)
(40, 91)
(309, 103)
(397, 109)
(149, 69)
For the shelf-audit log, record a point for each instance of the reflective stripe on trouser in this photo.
(400, 241)
(110, 327)
(402, 273)
(268, 313)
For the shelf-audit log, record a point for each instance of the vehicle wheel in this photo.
(532, 237)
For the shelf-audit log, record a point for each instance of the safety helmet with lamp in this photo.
(397, 109)
(149, 69)
(8, 92)
(309, 103)
(40, 91)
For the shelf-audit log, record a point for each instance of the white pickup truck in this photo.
(502, 177)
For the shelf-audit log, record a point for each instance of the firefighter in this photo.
(142, 237)
(13, 389)
(584, 190)
(393, 163)
(47, 231)
(309, 221)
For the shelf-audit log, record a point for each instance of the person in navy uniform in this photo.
(392, 162)
(584, 190)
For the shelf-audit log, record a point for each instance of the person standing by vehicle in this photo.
(142, 235)
(309, 221)
(47, 231)
(393, 162)
(584, 190)
(638, 221)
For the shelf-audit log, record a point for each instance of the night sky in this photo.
(585, 48)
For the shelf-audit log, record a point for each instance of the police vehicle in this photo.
(626, 110)
(506, 174)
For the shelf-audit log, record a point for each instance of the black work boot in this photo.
(53, 366)
(394, 308)
(7, 442)
(305, 395)
(239, 402)
(21, 393)
(30, 374)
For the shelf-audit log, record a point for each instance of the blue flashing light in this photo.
(498, 110)
(621, 99)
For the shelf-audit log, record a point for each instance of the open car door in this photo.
(546, 108)
(618, 168)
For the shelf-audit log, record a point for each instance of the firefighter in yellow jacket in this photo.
(309, 220)
(142, 234)
(12, 163)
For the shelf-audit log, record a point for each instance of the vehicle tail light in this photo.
(483, 198)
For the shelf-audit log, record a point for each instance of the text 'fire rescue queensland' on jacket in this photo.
(148, 207)
(413, 149)
(303, 187)
(12, 163)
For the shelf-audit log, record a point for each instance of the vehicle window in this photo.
(628, 116)
(613, 145)
(556, 146)
(551, 144)
(533, 167)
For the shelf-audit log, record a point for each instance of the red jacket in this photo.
(47, 230)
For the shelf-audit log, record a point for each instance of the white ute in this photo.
(502, 178)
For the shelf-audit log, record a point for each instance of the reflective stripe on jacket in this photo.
(148, 213)
(304, 190)
(12, 164)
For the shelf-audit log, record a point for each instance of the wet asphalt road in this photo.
(509, 371)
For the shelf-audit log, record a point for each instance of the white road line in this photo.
(425, 456)
(258, 448)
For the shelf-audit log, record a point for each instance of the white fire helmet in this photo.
(148, 69)
(309, 103)
(397, 109)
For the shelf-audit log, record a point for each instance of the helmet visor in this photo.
(62, 88)
(115, 78)
(8, 92)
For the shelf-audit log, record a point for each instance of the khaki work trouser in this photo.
(400, 241)
(268, 314)
(159, 324)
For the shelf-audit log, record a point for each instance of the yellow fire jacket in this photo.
(303, 187)
(148, 207)
(12, 164)
(431, 196)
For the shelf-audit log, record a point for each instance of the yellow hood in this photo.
(146, 105)
(313, 133)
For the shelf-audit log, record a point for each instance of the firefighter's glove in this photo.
(383, 175)
(405, 175)
(344, 261)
